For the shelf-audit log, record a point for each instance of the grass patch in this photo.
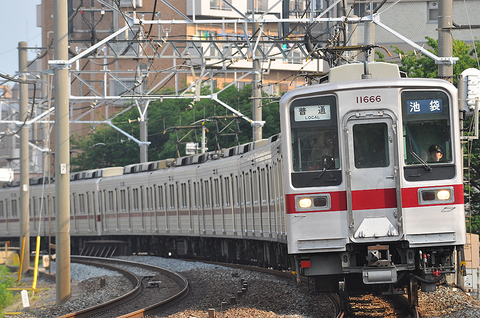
(7, 280)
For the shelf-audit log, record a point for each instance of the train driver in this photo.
(435, 153)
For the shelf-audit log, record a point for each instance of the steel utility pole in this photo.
(144, 132)
(62, 151)
(24, 155)
(445, 39)
(257, 88)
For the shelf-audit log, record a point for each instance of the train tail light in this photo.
(305, 263)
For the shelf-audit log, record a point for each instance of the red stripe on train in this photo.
(372, 199)
(410, 196)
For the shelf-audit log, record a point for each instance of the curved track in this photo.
(368, 305)
(104, 310)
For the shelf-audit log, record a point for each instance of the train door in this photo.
(372, 176)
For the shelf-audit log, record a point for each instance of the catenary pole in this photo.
(257, 88)
(24, 156)
(62, 152)
(445, 39)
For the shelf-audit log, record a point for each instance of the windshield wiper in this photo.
(325, 168)
(423, 162)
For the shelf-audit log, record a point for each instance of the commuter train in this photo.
(361, 190)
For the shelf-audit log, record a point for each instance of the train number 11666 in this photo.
(368, 99)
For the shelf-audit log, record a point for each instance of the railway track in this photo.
(153, 291)
(367, 306)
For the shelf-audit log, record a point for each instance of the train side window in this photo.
(189, 199)
(14, 208)
(148, 195)
(136, 205)
(2, 213)
(111, 204)
(427, 136)
(195, 195)
(184, 195)
(88, 206)
(7, 209)
(255, 187)
(314, 142)
(160, 198)
(171, 191)
(248, 192)
(81, 202)
(227, 191)
(123, 201)
(207, 194)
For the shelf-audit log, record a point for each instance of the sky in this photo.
(18, 22)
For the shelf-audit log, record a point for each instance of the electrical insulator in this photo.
(471, 88)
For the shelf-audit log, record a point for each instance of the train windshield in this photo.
(426, 128)
(314, 134)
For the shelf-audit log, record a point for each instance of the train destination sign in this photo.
(311, 113)
(424, 106)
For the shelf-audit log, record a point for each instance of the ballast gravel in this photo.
(267, 296)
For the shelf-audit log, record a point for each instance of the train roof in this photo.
(153, 165)
(349, 72)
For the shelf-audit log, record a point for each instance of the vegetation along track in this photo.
(154, 289)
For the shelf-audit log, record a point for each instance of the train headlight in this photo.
(436, 195)
(312, 202)
(305, 203)
(443, 195)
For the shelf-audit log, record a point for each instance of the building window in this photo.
(359, 8)
(432, 11)
(297, 7)
(260, 6)
(220, 5)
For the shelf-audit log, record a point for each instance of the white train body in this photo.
(349, 180)
(235, 195)
(362, 197)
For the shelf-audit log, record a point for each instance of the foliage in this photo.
(418, 65)
(107, 147)
(6, 281)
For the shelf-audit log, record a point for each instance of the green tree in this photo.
(415, 64)
(107, 147)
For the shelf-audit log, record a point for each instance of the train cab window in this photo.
(315, 148)
(427, 135)
(370, 145)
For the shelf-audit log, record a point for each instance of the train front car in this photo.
(374, 192)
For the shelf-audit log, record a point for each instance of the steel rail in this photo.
(135, 292)
(112, 264)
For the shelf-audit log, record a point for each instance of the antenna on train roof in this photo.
(366, 71)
